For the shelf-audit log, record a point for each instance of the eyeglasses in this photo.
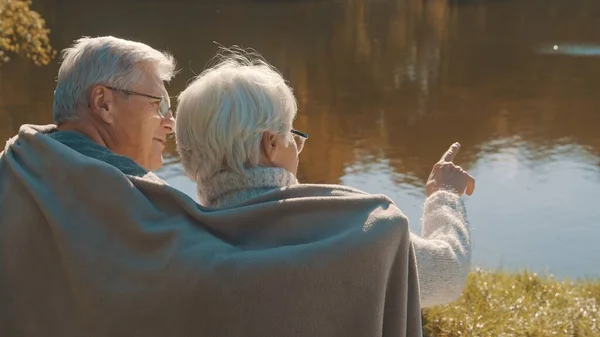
(163, 107)
(300, 138)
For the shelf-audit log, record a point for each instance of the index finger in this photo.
(451, 153)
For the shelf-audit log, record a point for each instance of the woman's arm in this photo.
(443, 250)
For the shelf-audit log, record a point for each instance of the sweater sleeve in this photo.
(443, 250)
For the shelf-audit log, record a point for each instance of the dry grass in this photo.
(502, 304)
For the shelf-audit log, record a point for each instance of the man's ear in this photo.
(101, 101)
(269, 146)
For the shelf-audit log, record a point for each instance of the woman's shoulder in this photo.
(334, 196)
(335, 190)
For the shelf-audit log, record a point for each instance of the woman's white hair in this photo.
(107, 61)
(223, 113)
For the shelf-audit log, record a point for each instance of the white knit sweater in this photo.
(443, 250)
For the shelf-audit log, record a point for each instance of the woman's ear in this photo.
(100, 103)
(268, 148)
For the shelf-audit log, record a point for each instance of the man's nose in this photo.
(168, 123)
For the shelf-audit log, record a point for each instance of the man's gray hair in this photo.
(106, 61)
(223, 113)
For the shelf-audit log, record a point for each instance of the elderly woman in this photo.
(236, 139)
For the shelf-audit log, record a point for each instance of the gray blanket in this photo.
(86, 250)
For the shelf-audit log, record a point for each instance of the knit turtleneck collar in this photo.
(229, 189)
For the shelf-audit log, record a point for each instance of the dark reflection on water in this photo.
(385, 86)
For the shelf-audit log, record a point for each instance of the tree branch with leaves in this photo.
(24, 32)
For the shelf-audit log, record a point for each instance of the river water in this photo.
(384, 87)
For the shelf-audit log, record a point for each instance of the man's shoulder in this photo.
(87, 147)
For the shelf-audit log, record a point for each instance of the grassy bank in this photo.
(523, 304)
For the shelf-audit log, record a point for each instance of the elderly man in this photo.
(110, 100)
(93, 244)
